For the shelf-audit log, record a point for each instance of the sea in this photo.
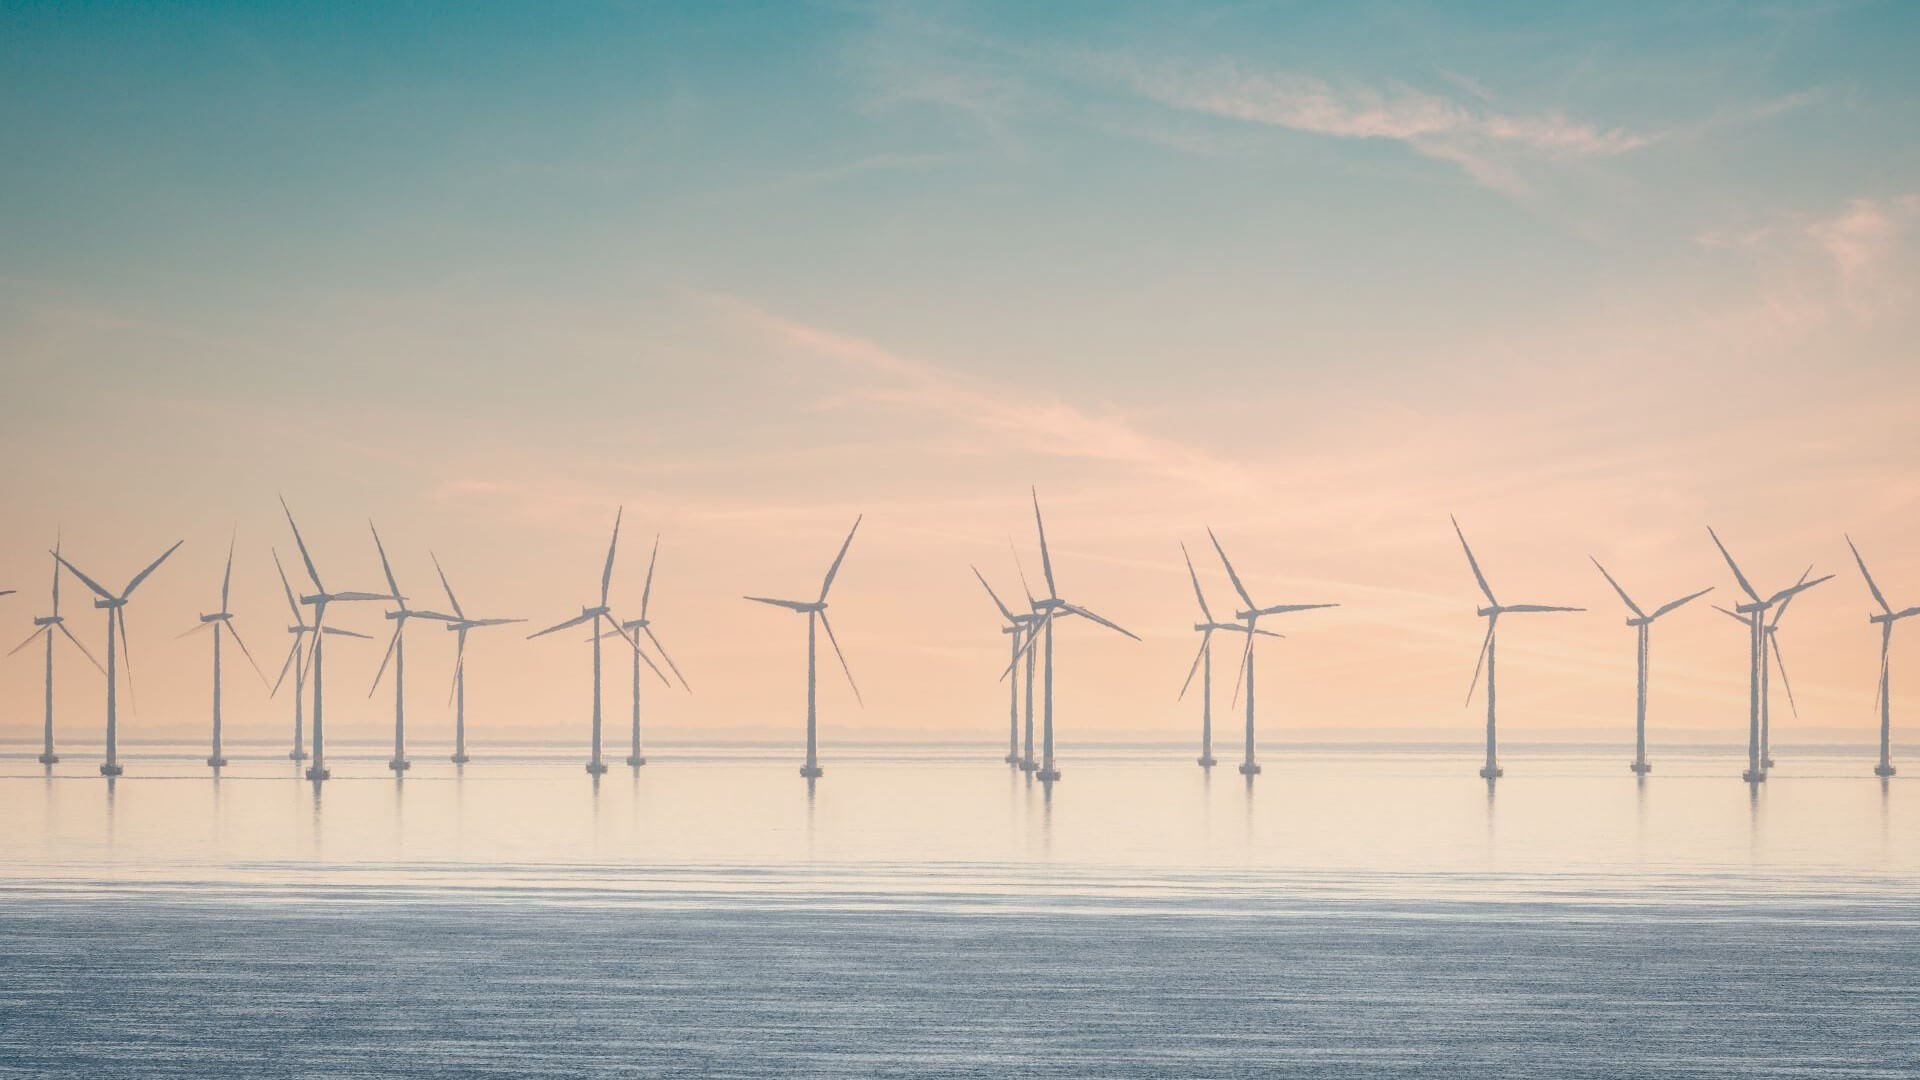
(1353, 911)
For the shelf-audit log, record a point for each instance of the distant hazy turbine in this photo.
(816, 612)
(397, 652)
(221, 622)
(1249, 618)
(1642, 624)
(592, 616)
(115, 605)
(635, 628)
(457, 693)
(318, 601)
(1757, 628)
(1886, 618)
(44, 627)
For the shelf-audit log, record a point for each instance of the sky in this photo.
(1315, 276)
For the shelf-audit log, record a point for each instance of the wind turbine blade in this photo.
(1796, 590)
(790, 605)
(646, 591)
(1538, 608)
(1231, 576)
(1631, 606)
(451, 599)
(1004, 613)
(1734, 615)
(1109, 624)
(194, 630)
(84, 579)
(1788, 600)
(831, 640)
(1021, 568)
(1474, 564)
(1046, 559)
(119, 617)
(151, 567)
(1671, 604)
(1780, 662)
(334, 631)
(606, 575)
(1206, 639)
(292, 604)
(1030, 639)
(1240, 674)
(1288, 609)
(459, 662)
(1745, 586)
(284, 665)
(655, 638)
(246, 652)
(226, 579)
(471, 623)
(1871, 586)
(1197, 594)
(575, 621)
(642, 654)
(302, 545)
(392, 644)
(56, 572)
(1485, 644)
(1879, 682)
(361, 596)
(835, 568)
(84, 651)
(387, 568)
(1907, 613)
(1268, 633)
(31, 638)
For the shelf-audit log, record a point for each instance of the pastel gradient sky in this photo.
(1314, 275)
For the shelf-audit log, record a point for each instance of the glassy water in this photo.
(930, 911)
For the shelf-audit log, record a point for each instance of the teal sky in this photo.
(1314, 274)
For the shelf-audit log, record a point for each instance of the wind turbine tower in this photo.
(460, 625)
(1886, 618)
(1015, 628)
(1642, 624)
(1755, 614)
(1492, 612)
(221, 622)
(1249, 620)
(318, 601)
(816, 612)
(397, 652)
(593, 615)
(115, 605)
(635, 628)
(44, 626)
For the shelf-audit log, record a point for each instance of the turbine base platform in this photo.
(1754, 776)
(636, 760)
(111, 768)
(1011, 759)
(1884, 770)
(1248, 768)
(459, 759)
(597, 768)
(1208, 761)
(1769, 763)
(49, 758)
(1641, 767)
(812, 772)
(296, 755)
(1492, 772)
(399, 765)
(317, 773)
(216, 761)
(1047, 775)
(1027, 765)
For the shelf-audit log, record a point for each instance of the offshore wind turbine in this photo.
(318, 601)
(1050, 608)
(1642, 624)
(1757, 637)
(1203, 661)
(295, 661)
(1492, 612)
(634, 628)
(1886, 619)
(460, 625)
(115, 605)
(1770, 634)
(816, 612)
(397, 652)
(593, 615)
(44, 626)
(221, 622)
(1015, 627)
(1249, 620)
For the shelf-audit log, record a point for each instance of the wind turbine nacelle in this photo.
(1638, 620)
(47, 620)
(1487, 612)
(215, 617)
(1749, 609)
(118, 602)
(1048, 604)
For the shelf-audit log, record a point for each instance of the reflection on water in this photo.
(906, 822)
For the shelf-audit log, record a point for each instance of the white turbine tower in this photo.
(298, 664)
(221, 622)
(1754, 614)
(1016, 628)
(1203, 662)
(457, 693)
(593, 615)
(1770, 634)
(1049, 609)
(1492, 612)
(318, 601)
(44, 626)
(115, 605)
(1642, 624)
(816, 612)
(397, 652)
(1886, 619)
(634, 628)
(1249, 618)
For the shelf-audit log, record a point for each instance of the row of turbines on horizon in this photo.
(1029, 632)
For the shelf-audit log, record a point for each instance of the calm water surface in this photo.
(924, 911)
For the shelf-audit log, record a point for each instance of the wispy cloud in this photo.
(1023, 421)
(1857, 262)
